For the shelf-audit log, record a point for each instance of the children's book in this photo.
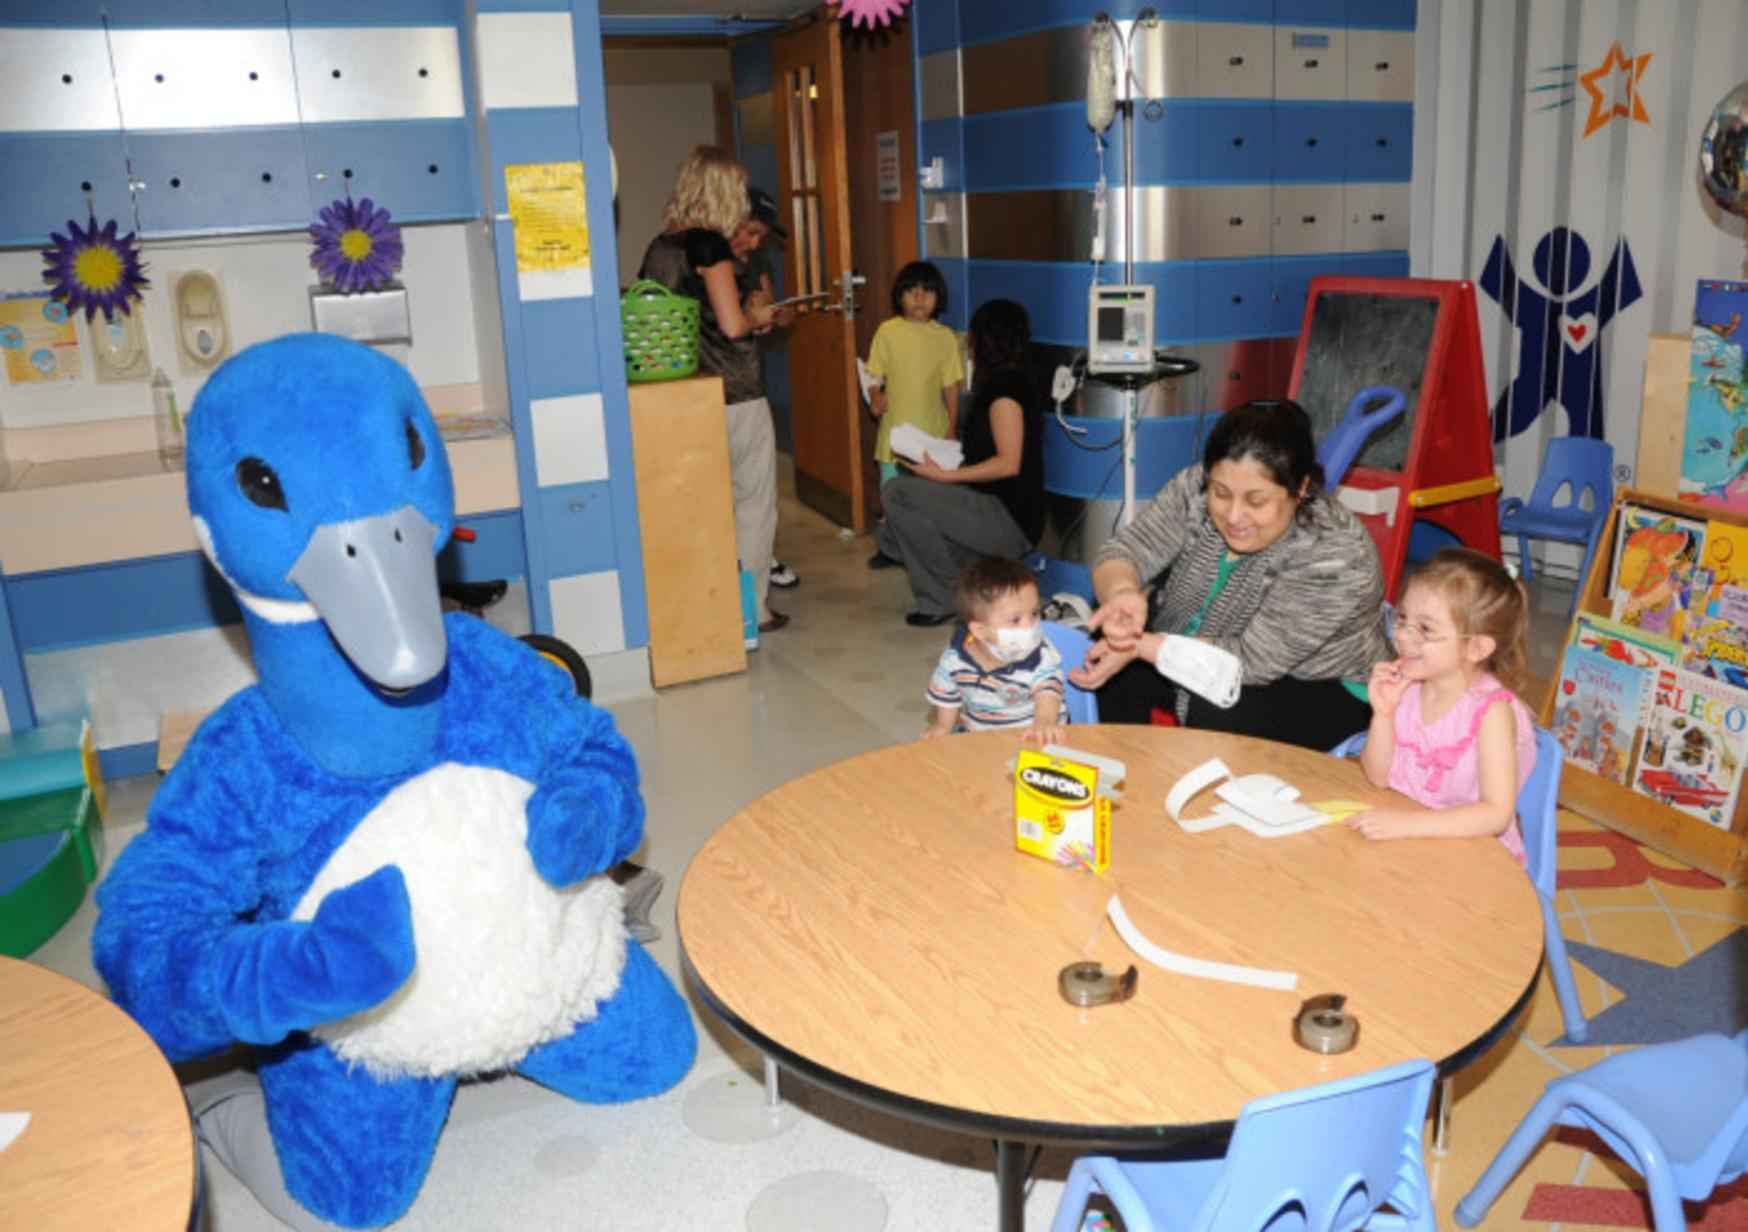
(1714, 454)
(1654, 556)
(1600, 711)
(1715, 639)
(1695, 741)
(1623, 643)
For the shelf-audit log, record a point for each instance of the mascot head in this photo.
(321, 491)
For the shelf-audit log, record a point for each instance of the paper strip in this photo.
(1108, 767)
(11, 1125)
(1201, 968)
(1210, 771)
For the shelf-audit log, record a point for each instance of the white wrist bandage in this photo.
(1202, 668)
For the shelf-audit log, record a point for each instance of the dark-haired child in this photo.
(916, 360)
(999, 672)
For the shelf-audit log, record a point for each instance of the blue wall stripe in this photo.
(943, 139)
(542, 135)
(524, 6)
(521, 419)
(609, 337)
(1375, 264)
(986, 21)
(20, 711)
(1078, 467)
(58, 608)
(749, 61)
(683, 27)
(496, 551)
(934, 27)
(171, 14)
(958, 314)
(558, 335)
(579, 517)
(1054, 293)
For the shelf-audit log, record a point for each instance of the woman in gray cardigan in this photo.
(1271, 616)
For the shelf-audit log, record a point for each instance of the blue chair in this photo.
(1582, 465)
(1676, 1112)
(1334, 1153)
(1343, 444)
(1071, 644)
(1537, 804)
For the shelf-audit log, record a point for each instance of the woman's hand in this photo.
(1122, 617)
(927, 469)
(760, 312)
(1385, 688)
(1103, 661)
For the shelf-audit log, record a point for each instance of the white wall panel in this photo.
(55, 81)
(204, 78)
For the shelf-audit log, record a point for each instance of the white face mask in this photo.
(1012, 645)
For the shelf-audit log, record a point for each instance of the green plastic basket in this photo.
(661, 332)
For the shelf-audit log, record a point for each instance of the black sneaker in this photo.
(880, 560)
(783, 577)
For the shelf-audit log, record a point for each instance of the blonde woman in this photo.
(692, 256)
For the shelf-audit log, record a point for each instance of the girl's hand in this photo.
(1385, 688)
(1103, 661)
(1384, 824)
(1041, 734)
(1122, 617)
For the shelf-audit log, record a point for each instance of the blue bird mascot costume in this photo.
(382, 865)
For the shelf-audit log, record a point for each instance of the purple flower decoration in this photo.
(871, 13)
(357, 247)
(93, 269)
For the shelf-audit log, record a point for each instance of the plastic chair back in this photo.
(1338, 450)
(1585, 463)
(1071, 644)
(1537, 807)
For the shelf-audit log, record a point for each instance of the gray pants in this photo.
(936, 529)
(752, 465)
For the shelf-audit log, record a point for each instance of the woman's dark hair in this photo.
(1275, 433)
(919, 274)
(1001, 337)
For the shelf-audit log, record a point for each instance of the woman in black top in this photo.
(692, 256)
(938, 521)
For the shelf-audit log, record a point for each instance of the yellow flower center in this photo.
(98, 268)
(355, 245)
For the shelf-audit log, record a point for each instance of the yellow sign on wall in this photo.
(37, 340)
(550, 216)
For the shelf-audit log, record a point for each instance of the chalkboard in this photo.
(1357, 340)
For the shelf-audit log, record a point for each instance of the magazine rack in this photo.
(1722, 853)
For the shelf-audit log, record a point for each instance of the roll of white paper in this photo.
(1200, 968)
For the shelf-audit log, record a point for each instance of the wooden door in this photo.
(827, 417)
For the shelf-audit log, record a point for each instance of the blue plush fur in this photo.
(193, 934)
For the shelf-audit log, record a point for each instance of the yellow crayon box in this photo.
(1062, 809)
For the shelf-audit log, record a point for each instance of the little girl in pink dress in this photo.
(1445, 731)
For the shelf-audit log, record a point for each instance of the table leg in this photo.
(1443, 1096)
(773, 1096)
(1010, 1185)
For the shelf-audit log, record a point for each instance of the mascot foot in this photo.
(230, 1117)
(640, 1043)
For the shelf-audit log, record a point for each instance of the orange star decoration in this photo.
(1620, 97)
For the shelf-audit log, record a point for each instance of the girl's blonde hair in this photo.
(710, 191)
(1485, 601)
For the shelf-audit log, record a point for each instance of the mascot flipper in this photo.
(382, 865)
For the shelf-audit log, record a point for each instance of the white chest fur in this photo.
(505, 962)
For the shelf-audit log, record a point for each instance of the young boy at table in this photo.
(998, 672)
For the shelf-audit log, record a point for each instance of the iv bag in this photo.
(1101, 77)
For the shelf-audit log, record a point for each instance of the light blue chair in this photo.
(1537, 805)
(1677, 1113)
(1367, 411)
(1583, 466)
(1071, 644)
(1333, 1154)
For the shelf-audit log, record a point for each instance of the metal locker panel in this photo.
(204, 78)
(1233, 298)
(1235, 141)
(1377, 218)
(1308, 218)
(1028, 70)
(420, 171)
(1310, 62)
(938, 77)
(1380, 66)
(58, 166)
(370, 73)
(1311, 142)
(193, 183)
(1165, 55)
(56, 81)
(1235, 60)
(1379, 139)
(1231, 220)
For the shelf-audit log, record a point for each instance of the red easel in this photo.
(1447, 478)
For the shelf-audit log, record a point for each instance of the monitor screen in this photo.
(1111, 325)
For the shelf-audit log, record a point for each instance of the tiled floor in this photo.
(847, 676)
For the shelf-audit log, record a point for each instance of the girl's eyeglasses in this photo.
(1407, 631)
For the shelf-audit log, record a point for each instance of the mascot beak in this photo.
(374, 581)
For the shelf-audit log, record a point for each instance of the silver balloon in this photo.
(1723, 152)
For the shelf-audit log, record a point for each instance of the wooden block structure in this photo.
(1722, 853)
(51, 830)
(1432, 469)
(685, 511)
(1663, 417)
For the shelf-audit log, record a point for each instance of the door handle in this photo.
(847, 282)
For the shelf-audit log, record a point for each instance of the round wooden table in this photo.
(871, 927)
(109, 1144)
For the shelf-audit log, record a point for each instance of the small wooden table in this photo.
(871, 927)
(109, 1144)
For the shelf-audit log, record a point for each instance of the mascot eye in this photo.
(260, 484)
(415, 447)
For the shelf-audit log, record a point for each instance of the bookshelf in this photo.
(1722, 853)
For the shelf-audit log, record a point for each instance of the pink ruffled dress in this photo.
(1439, 764)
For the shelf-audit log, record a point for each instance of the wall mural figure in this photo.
(1561, 356)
